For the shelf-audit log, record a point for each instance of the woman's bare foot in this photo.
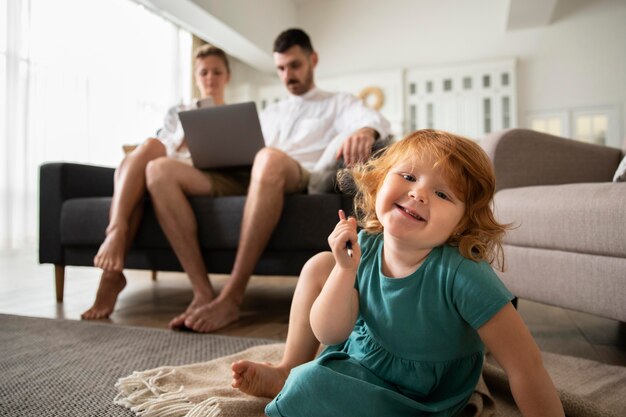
(111, 284)
(258, 379)
(213, 316)
(111, 254)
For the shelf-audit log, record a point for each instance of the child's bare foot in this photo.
(258, 379)
(110, 256)
(111, 284)
(213, 316)
(198, 301)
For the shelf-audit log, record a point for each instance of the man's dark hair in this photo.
(293, 37)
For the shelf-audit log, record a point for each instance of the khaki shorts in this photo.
(236, 182)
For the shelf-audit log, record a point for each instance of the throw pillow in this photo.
(620, 174)
(324, 175)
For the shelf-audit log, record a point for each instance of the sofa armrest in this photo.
(58, 182)
(524, 157)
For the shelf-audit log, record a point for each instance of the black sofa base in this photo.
(74, 207)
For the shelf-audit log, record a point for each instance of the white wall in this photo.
(578, 60)
(257, 20)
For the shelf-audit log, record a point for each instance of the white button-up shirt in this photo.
(304, 126)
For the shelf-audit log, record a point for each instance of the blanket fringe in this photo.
(140, 393)
(207, 408)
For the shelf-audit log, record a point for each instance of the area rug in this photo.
(63, 368)
(70, 368)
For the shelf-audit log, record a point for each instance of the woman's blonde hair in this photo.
(207, 50)
(466, 168)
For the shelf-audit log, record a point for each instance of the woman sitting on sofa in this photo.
(212, 73)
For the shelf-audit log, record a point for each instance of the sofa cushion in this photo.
(306, 220)
(586, 218)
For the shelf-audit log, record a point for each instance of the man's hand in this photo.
(358, 147)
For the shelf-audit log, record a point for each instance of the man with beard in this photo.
(297, 131)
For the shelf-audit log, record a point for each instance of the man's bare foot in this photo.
(111, 284)
(213, 316)
(258, 379)
(110, 256)
(198, 301)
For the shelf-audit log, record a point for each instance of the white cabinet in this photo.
(470, 100)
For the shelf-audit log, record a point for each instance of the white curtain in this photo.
(78, 79)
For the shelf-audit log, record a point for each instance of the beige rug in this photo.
(587, 389)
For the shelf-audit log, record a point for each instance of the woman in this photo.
(211, 73)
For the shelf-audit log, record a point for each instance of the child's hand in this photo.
(344, 233)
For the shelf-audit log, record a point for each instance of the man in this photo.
(297, 131)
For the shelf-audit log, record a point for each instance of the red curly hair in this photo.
(466, 168)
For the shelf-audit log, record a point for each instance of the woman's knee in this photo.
(150, 149)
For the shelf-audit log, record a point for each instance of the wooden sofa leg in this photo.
(154, 275)
(59, 278)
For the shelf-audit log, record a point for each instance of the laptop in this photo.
(226, 136)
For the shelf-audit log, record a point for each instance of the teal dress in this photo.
(414, 350)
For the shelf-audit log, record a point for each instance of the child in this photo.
(406, 317)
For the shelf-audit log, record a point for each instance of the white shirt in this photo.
(305, 126)
(172, 135)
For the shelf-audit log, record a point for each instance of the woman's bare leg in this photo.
(113, 282)
(125, 215)
(129, 190)
(265, 379)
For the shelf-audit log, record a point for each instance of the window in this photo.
(504, 79)
(486, 81)
(412, 89)
(553, 123)
(506, 112)
(413, 117)
(487, 115)
(430, 116)
(599, 125)
(467, 83)
(591, 128)
(429, 86)
(117, 82)
(447, 85)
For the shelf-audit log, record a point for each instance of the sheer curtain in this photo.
(78, 79)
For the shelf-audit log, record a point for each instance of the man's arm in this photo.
(366, 124)
(358, 146)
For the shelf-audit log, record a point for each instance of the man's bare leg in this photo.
(129, 190)
(266, 380)
(274, 174)
(169, 183)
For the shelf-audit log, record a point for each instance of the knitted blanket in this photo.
(203, 389)
(587, 389)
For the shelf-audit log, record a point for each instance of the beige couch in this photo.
(569, 246)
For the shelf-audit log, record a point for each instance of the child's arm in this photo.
(335, 310)
(512, 345)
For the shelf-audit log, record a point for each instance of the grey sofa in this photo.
(74, 206)
(569, 245)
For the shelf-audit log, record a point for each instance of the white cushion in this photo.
(620, 174)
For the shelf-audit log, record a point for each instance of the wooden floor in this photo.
(27, 288)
